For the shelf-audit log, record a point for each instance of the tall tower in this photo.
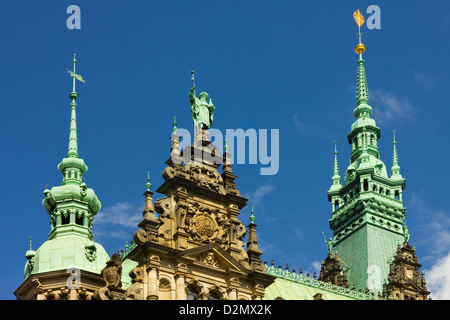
(368, 214)
(69, 263)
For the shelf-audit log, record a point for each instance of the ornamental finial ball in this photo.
(360, 48)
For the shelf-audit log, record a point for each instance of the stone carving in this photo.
(332, 272)
(405, 281)
(208, 258)
(112, 275)
(136, 290)
(203, 227)
(204, 176)
(164, 207)
(91, 251)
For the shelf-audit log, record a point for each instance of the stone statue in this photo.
(112, 275)
(202, 111)
(406, 234)
(329, 243)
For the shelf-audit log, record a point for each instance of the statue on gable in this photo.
(202, 111)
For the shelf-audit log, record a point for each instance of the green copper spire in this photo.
(174, 128)
(72, 167)
(252, 216)
(367, 210)
(71, 208)
(336, 178)
(148, 185)
(364, 132)
(73, 196)
(362, 92)
(73, 146)
(395, 170)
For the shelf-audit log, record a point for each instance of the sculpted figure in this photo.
(202, 111)
(112, 273)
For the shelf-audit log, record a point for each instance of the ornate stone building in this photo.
(195, 248)
(192, 245)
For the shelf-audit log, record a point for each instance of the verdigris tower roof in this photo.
(71, 207)
(367, 209)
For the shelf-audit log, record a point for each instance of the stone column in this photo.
(180, 284)
(233, 294)
(152, 284)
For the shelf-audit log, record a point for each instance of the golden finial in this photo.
(360, 48)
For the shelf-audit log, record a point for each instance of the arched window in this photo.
(165, 289)
(191, 294)
(65, 219)
(213, 296)
(79, 219)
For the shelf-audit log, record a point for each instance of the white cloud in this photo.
(389, 107)
(297, 122)
(122, 214)
(436, 237)
(424, 80)
(258, 195)
(438, 279)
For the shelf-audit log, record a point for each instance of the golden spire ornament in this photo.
(360, 48)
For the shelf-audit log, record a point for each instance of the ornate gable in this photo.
(405, 282)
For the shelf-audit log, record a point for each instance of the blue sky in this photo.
(286, 65)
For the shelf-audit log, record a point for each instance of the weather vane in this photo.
(73, 74)
(360, 48)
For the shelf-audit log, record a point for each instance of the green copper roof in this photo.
(293, 286)
(66, 251)
(367, 210)
(71, 207)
